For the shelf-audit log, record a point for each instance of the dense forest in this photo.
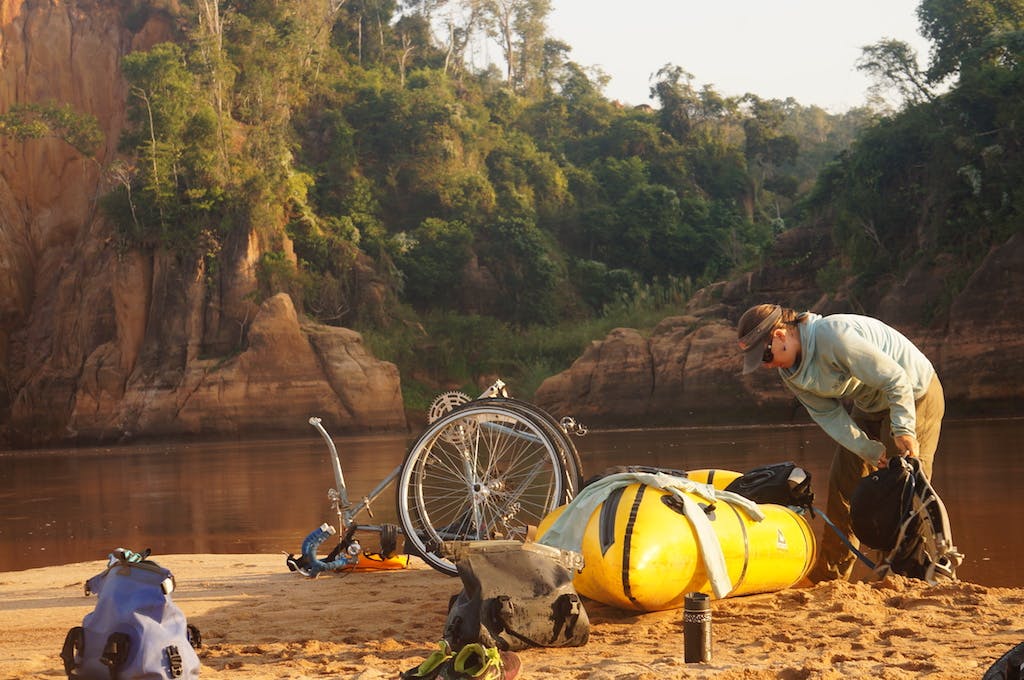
(477, 219)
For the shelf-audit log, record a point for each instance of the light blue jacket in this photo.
(846, 356)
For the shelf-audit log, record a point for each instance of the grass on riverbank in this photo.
(444, 351)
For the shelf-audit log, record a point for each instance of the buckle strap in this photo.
(115, 653)
(71, 652)
(174, 661)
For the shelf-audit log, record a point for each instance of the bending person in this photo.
(897, 400)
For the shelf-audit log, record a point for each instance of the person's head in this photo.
(758, 330)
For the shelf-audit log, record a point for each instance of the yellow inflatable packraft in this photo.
(640, 551)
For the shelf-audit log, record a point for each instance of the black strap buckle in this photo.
(174, 661)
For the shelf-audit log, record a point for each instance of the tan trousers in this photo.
(835, 561)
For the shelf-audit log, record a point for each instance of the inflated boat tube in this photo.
(641, 552)
(716, 478)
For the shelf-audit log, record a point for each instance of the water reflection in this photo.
(63, 506)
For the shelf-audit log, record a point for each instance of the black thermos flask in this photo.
(697, 628)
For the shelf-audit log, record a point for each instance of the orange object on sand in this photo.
(374, 562)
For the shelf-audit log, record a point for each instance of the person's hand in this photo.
(907, 445)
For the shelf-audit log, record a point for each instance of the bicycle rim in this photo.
(558, 436)
(481, 472)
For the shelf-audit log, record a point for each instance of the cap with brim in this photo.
(753, 342)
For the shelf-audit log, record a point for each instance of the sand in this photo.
(262, 622)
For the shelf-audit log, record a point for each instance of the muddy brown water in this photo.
(60, 506)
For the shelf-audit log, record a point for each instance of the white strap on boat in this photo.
(566, 532)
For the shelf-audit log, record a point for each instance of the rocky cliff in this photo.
(687, 371)
(98, 344)
(101, 344)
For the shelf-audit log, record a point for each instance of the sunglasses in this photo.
(768, 355)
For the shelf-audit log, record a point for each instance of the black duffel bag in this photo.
(778, 483)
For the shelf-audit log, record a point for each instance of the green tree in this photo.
(517, 254)
(174, 134)
(685, 110)
(892, 66)
(520, 28)
(433, 261)
(966, 34)
(39, 120)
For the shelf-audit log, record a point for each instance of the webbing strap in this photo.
(861, 556)
(71, 652)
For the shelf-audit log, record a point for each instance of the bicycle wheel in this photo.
(481, 472)
(558, 435)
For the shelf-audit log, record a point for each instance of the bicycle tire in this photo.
(483, 471)
(572, 462)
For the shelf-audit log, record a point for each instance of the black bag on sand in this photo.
(880, 504)
(778, 483)
(1009, 666)
(896, 510)
(515, 595)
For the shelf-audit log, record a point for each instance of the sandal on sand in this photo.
(476, 662)
(432, 665)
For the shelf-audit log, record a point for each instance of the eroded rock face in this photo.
(101, 345)
(288, 372)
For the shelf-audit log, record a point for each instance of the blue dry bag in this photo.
(136, 632)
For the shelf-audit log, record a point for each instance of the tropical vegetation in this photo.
(505, 214)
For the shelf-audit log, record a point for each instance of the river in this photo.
(60, 506)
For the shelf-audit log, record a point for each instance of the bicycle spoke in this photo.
(481, 472)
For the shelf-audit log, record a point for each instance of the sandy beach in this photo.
(262, 622)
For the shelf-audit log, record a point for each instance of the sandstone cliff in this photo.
(688, 370)
(100, 345)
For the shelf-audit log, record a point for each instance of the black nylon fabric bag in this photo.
(515, 596)
(897, 511)
(778, 483)
(880, 504)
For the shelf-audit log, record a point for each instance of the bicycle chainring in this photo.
(445, 403)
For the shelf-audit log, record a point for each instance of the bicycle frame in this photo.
(492, 503)
(339, 495)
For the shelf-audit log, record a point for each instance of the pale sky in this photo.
(805, 49)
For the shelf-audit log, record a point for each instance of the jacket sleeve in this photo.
(878, 371)
(832, 417)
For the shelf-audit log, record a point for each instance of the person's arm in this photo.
(830, 415)
(877, 370)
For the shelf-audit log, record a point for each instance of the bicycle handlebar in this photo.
(339, 478)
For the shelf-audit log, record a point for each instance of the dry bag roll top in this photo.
(136, 631)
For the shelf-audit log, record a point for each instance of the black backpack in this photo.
(881, 503)
(778, 483)
(135, 631)
(1010, 666)
(515, 595)
(896, 510)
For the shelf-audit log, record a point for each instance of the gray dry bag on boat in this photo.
(515, 595)
(135, 632)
